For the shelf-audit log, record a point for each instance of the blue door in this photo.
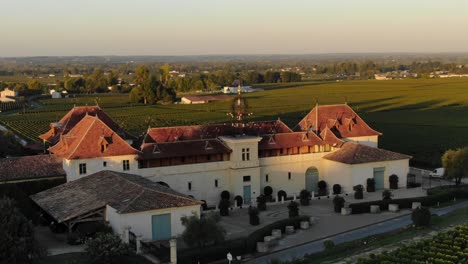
(312, 176)
(161, 226)
(247, 195)
(379, 178)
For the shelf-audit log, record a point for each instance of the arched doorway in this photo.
(312, 178)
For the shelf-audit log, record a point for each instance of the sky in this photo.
(205, 27)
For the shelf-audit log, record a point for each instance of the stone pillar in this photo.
(173, 245)
(126, 235)
(277, 199)
(313, 194)
(138, 244)
(282, 199)
(294, 197)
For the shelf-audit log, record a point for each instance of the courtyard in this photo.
(327, 222)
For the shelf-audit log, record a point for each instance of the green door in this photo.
(247, 195)
(161, 226)
(379, 178)
(312, 177)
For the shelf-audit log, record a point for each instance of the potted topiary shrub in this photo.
(261, 202)
(387, 195)
(370, 185)
(224, 207)
(304, 197)
(336, 189)
(225, 195)
(293, 208)
(322, 186)
(338, 203)
(268, 191)
(282, 195)
(358, 192)
(393, 179)
(253, 216)
(421, 217)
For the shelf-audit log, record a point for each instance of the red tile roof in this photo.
(353, 153)
(30, 167)
(91, 138)
(183, 149)
(289, 140)
(127, 193)
(73, 117)
(181, 133)
(340, 119)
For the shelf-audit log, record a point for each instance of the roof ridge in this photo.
(84, 135)
(131, 201)
(152, 190)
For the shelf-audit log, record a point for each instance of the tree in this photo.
(202, 231)
(9, 146)
(107, 248)
(164, 74)
(34, 85)
(17, 242)
(293, 209)
(455, 163)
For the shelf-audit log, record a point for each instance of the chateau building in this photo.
(331, 143)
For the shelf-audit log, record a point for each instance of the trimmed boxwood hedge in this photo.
(238, 246)
(440, 194)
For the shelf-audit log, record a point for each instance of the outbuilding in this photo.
(125, 201)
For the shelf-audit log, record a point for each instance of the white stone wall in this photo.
(201, 175)
(360, 172)
(278, 168)
(114, 163)
(141, 222)
(337, 173)
(371, 141)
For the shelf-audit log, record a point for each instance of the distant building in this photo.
(244, 89)
(55, 94)
(203, 99)
(8, 95)
(382, 77)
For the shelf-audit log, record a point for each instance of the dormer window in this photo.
(208, 146)
(104, 144)
(103, 147)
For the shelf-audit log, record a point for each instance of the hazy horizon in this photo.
(209, 27)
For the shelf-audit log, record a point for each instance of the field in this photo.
(448, 247)
(421, 118)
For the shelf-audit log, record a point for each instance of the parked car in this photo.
(437, 173)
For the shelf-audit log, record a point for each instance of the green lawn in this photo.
(421, 118)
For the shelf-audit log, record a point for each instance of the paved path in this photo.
(292, 253)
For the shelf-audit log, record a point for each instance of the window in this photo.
(82, 168)
(126, 165)
(208, 157)
(104, 163)
(246, 178)
(189, 186)
(245, 154)
(289, 175)
(216, 183)
(327, 147)
(266, 178)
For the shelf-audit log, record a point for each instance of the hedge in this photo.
(238, 246)
(439, 194)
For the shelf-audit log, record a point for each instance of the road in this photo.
(292, 253)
